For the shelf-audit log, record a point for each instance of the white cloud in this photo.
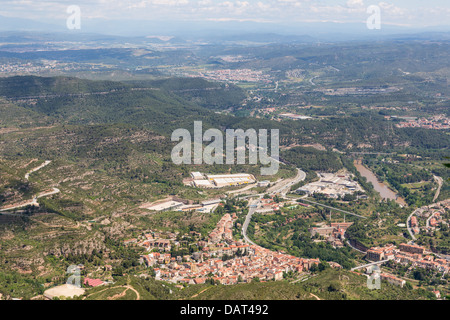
(263, 6)
(391, 9)
(273, 10)
(355, 3)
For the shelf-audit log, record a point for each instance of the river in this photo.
(384, 191)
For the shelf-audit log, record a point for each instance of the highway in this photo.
(284, 186)
(242, 190)
(281, 188)
(251, 210)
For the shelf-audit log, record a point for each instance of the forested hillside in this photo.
(163, 106)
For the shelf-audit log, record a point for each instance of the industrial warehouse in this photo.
(332, 185)
(220, 180)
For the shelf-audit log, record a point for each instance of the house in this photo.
(393, 280)
(92, 282)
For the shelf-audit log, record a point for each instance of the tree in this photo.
(349, 197)
(323, 265)
(334, 286)
(419, 275)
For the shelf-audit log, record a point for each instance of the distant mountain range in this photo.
(225, 31)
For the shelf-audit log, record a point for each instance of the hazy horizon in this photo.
(187, 17)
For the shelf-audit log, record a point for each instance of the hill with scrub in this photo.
(326, 285)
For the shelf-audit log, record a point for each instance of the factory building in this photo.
(222, 180)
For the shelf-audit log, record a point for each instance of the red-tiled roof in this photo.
(92, 282)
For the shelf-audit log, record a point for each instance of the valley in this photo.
(87, 176)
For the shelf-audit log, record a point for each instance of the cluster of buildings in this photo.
(267, 206)
(223, 230)
(243, 262)
(163, 241)
(332, 185)
(434, 215)
(236, 75)
(333, 234)
(392, 279)
(201, 180)
(45, 66)
(409, 254)
(255, 262)
(20, 67)
(414, 225)
(270, 205)
(295, 73)
(434, 220)
(234, 58)
(439, 122)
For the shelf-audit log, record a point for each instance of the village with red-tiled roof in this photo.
(225, 260)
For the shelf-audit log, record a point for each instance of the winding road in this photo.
(252, 208)
(282, 187)
(33, 201)
(46, 163)
(408, 225)
(438, 191)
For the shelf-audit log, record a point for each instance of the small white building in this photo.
(197, 175)
(264, 183)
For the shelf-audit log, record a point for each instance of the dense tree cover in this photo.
(231, 205)
(14, 284)
(33, 86)
(369, 234)
(199, 91)
(439, 239)
(299, 243)
(312, 159)
(75, 101)
(348, 164)
(323, 251)
(399, 174)
(425, 139)
(428, 277)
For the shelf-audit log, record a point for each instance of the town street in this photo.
(408, 225)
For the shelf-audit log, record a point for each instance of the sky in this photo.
(405, 13)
